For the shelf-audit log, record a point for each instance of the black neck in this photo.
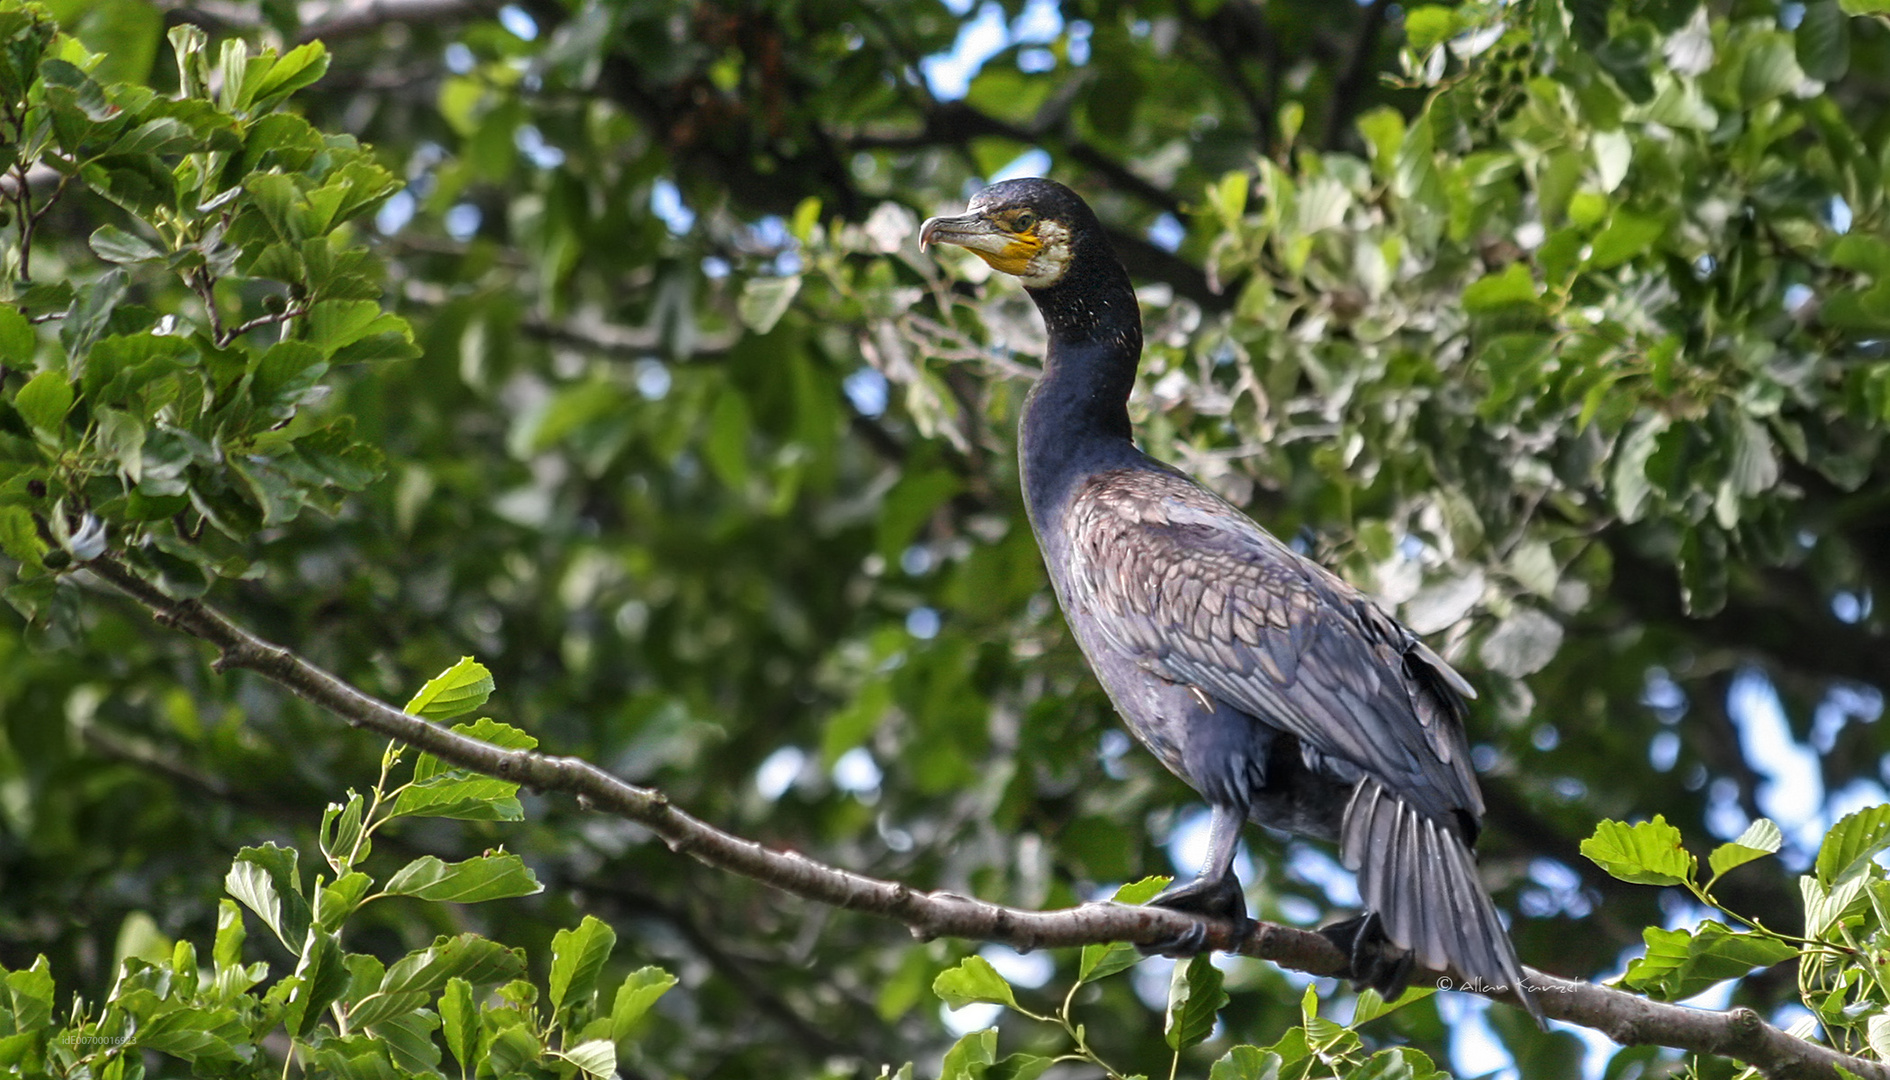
(1095, 333)
(1077, 416)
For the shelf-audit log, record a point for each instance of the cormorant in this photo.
(1279, 692)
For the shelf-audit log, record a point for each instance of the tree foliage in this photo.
(593, 340)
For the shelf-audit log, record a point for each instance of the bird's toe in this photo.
(1219, 898)
(1373, 961)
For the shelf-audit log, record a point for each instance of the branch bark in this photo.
(1740, 1034)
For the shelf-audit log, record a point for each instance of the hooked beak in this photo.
(1004, 250)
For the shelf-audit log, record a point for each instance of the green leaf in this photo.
(228, 950)
(1509, 287)
(1383, 131)
(409, 1041)
(1018, 1067)
(192, 1034)
(1771, 69)
(1614, 152)
(459, 1017)
(1588, 21)
(1829, 909)
(1626, 235)
(17, 338)
(483, 877)
(417, 975)
(114, 244)
(1680, 964)
(334, 323)
(30, 993)
(1104, 960)
(1630, 481)
(121, 437)
(92, 307)
(1428, 26)
(1861, 251)
(1522, 644)
(577, 958)
(44, 402)
(640, 990)
(19, 536)
(1142, 890)
(161, 135)
(1247, 1063)
(974, 979)
(1823, 41)
(908, 505)
(1649, 853)
(120, 367)
(594, 1058)
(726, 447)
(1760, 839)
(1229, 197)
(512, 1051)
(1852, 842)
(765, 299)
(325, 978)
(1195, 997)
(341, 833)
(850, 726)
(268, 882)
(970, 1056)
(336, 902)
(1865, 7)
(459, 797)
(299, 67)
(1628, 57)
(1370, 1006)
(485, 729)
(284, 375)
(454, 692)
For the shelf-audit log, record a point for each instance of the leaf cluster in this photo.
(1846, 939)
(179, 435)
(346, 1013)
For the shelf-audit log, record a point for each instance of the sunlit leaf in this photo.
(973, 979)
(1648, 852)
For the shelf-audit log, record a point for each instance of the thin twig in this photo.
(1740, 1034)
(260, 321)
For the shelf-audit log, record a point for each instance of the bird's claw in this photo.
(1371, 959)
(1217, 899)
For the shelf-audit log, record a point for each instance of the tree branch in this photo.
(1360, 70)
(1740, 1034)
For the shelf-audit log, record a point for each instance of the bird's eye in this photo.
(1023, 221)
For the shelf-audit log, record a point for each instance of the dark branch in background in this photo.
(955, 123)
(1235, 33)
(1786, 619)
(1360, 71)
(1740, 1033)
(754, 989)
(610, 339)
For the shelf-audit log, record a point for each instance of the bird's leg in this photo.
(1371, 957)
(1215, 892)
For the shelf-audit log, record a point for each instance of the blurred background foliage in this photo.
(1557, 325)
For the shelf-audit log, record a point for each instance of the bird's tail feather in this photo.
(1421, 880)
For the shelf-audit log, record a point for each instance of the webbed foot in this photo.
(1217, 898)
(1374, 960)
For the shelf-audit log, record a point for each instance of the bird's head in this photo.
(1031, 229)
